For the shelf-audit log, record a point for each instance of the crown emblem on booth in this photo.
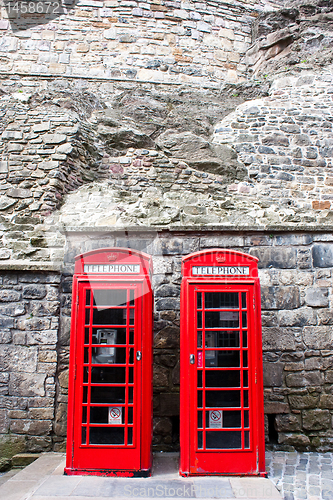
(220, 258)
(112, 257)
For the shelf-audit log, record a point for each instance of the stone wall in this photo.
(268, 164)
(286, 142)
(156, 40)
(29, 320)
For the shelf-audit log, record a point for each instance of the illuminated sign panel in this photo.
(220, 270)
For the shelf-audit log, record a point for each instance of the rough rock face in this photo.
(296, 38)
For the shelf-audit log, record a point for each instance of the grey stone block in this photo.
(318, 337)
(316, 419)
(322, 255)
(281, 339)
(273, 374)
(288, 422)
(34, 292)
(305, 379)
(167, 303)
(280, 258)
(27, 384)
(9, 296)
(317, 296)
(274, 297)
(297, 317)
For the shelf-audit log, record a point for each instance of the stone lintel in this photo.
(294, 227)
(28, 265)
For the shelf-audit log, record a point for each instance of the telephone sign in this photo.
(110, 381)
(221, 388)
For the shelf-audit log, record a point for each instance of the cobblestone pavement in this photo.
(301, 476)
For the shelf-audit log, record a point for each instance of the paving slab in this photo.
(44, 480)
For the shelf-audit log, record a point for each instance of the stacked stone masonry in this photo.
(156, 40)
(29, 319)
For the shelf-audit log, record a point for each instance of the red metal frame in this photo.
(96, 444)
(235, 274)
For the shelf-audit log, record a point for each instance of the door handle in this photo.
(138, 355)
(192, 359)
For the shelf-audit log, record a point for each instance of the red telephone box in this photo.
(110, 379)
(221, 388)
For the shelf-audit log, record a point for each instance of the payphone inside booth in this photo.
(110, 378)
(221, 388)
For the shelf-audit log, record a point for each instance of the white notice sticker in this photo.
(115, 414)
(215, 419)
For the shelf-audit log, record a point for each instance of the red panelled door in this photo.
(108, 376)
(222, 378)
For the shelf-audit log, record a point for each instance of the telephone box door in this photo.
(110, 380)
(221, 376)
(108, 377)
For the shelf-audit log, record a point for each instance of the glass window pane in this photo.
(246, 398)
(131, 316)
(245, 359)
(199, 338)
(132, 297)
(84, 414)
(199, 419)
(222, 378)
(246, 439)
(200, 440)
(244, 319)
(245, 338)
(246, 418)
(109, 316)
(200, 378)
(131, 356)
(222, 359)
(130, 395)
(87, 317)
(99, 414)
(221, 399)
(130, 375)
(110, 336)
(226, 338)
(110, 297)
(86, 335)
(130, 415)
(108, 375)
(223, 440)
(130, 435)
(85, 394)
(199, 399)
(108, 355)
(245, 378)
(232, 419)
(107, 394)
(85, 374)
(88, 295)
(199, 319)
(131, 336)
(243, 300)
(106, 435)
(84, 436)
(199, 300)
(221, 319)
(221, 300)
(86, 355)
